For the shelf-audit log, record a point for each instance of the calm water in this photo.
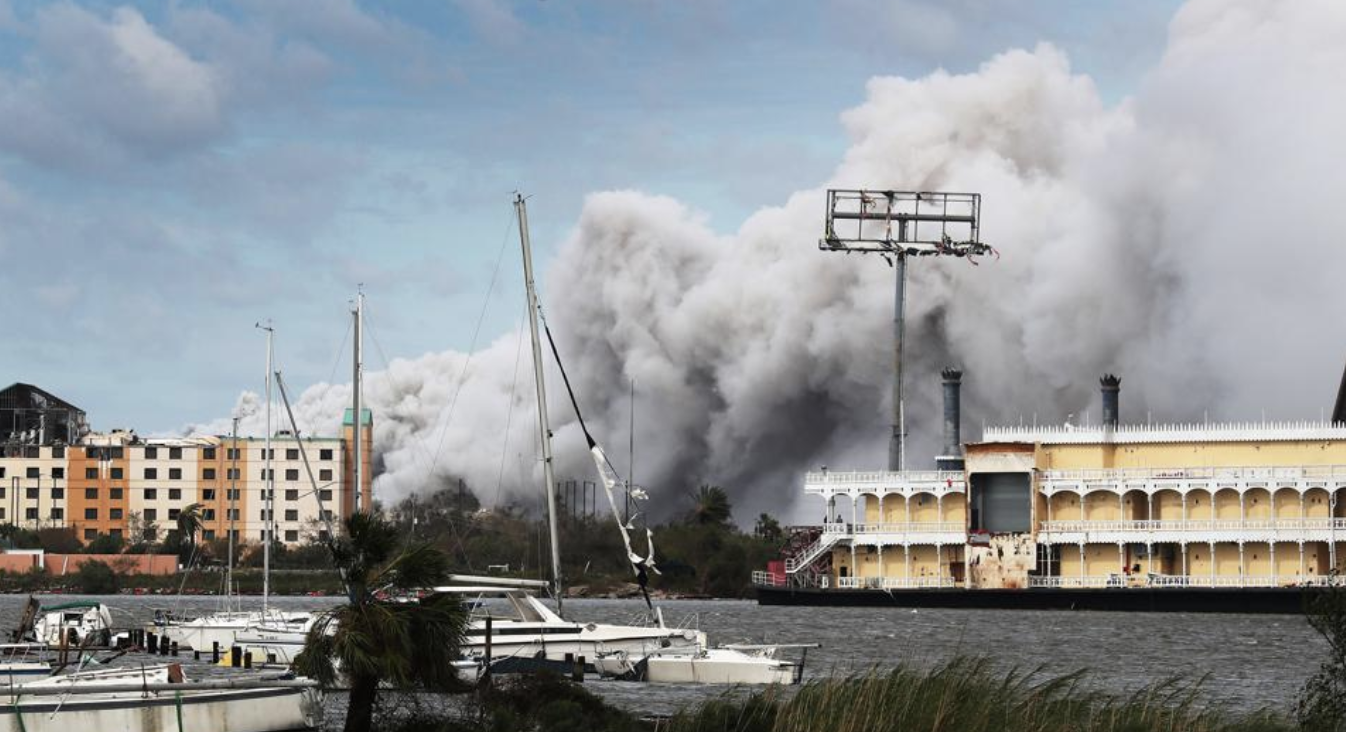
(1249, 661)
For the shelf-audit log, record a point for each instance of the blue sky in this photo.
(172, 172)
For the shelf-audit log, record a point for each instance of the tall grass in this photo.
(967, 695)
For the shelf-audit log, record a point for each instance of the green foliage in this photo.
(97, 578)
(59, 541)
(768, 529)
(19, 538)
(105, 544)
(377, 641)
(1322, 703)
(966, 695)
(710, 506)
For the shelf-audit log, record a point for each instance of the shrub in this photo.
(96, 578)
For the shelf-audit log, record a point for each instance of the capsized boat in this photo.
(158, 698)
(731, 664)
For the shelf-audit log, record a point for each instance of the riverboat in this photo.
(1177, 517)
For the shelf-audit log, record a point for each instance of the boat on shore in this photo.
(159, 698)
(732, 664)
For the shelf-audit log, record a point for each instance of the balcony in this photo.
(1175, 580)
(880, 482)
(895, 583)
(1189, 478)
(1193, 530)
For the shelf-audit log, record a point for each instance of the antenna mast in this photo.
(544, 429)
(898, 225)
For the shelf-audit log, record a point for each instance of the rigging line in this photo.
(418, 450)
(573, 402)
(337, 361)
(481, 317)
(509, 413)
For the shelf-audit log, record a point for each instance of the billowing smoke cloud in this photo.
(1185, 238)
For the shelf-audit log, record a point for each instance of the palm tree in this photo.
(710, 506)
(189, 525)
(768, 528)
(373, 640)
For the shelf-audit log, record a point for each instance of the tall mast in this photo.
(356, 426)
(233, 496)
(268, 480)
(544, 430)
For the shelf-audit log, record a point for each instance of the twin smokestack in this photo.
(951, 458)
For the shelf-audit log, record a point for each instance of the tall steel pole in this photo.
(233, 497)
(897, 444)
(357, 427)
(544, 429)
(268, 480)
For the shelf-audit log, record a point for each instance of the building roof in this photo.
(1168, 433)
(26, 396)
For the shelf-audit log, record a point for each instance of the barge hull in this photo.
(1262, 600)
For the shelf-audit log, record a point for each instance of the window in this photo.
(208, 474)
(322, 534)
(115, 533)
(2, 512)
(292, 495)
(265, 474)
(33, 473)
(291, 514)
(55, 473)
(93, 453)
(266, 515)
(30, 493)
(151, 514)
(175, 494)
(291, 536)
(325, 494)
(208, 534)
(292, 474)
(115, 494)
(232, 494)
(231, 474)
(208, 514)
(151, 473)
(91, 473)
(2, 491)
(291, 454)
(58, 493)
(208, 494)
(58, 513)
(116, 473)
(326, 515)
(116, 453)
(174, 453)
(90, 534)
(173, 514)
(115, 514)
(2, 471)
(207, 453)
(231, 454)
(232, 515)
(151, 453)
(151, 494)
(91, 513)
(262, 453)
(175, 473)
(58, 451)
(30, 514)
(325, 475)
(90, 494)
(325, 454)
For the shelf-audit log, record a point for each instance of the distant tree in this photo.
(1322, 702)
(19, 538)
(59, 541)
(96, 578)
(710, 506)
(768, 528)
(189, 524)
(106, 544)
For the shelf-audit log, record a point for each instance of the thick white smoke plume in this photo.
(1187, 238)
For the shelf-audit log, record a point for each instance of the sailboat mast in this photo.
(268, 483)
(233, 494)
(356, 426)
(544, 429)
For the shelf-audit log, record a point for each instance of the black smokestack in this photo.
(952, 456)
(1111, 386)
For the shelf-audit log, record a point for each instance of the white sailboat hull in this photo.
(262, 710)
(713, 666)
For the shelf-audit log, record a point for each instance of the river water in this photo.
(1246, 661)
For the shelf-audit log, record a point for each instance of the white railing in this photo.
(831, 533)
(1134, 433)
(1078, 581)
(913, 527)
(1175, 580)
(895, 583)
(768, 579)
(1190, 525)
(912, 481)
(1233, 474)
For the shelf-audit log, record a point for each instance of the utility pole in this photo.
(898, 225)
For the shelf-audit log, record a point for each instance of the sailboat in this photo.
(221, 629)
